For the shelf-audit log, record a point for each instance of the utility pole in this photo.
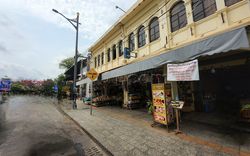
(75, 65)
(75, 23)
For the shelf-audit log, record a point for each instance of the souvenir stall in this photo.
(138, 90)
(107, 92)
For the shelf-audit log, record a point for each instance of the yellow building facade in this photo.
(152, 27)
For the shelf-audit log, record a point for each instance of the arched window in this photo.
(108, 55)
(154, 32)
(98, 60)
(178, 16)
(131, 42)
(141, 37)
(114, 52)
(231, 2)
(95, 62)
(203, 8)
(102, 58)
(120, 48)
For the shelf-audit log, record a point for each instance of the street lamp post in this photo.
(75, 23)
(117, 7)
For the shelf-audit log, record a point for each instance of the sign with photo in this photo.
(188, 71)
(159, 103)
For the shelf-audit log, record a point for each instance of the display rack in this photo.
(133, 101)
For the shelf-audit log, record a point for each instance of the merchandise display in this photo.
(103, 100)
(133, 101)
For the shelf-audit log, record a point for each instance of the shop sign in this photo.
(5, 85)
(92, 74)
(55, 88)
(126, 53)
(159, 103)
(188, 71)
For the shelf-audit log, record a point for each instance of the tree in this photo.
(66, 63)
(17, 88)
(60, 81)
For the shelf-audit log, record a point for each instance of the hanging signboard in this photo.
(188, 71)
(159, 103)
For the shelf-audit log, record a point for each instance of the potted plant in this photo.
(245, 111)
(150, 107)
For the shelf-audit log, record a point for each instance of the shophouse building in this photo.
(158, 32)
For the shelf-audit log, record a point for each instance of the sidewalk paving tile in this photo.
(120, 132)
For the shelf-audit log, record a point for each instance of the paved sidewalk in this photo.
(128, 132)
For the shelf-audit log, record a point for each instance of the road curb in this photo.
(83, 129)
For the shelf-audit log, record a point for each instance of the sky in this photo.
(33, 39)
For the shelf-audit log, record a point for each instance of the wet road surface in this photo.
(32, 126)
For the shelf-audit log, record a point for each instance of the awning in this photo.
(83, 81)
(225, 42)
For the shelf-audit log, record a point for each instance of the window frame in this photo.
(231, 2)
(204, 12)
(95, 62)
(155, 28)
(180, 13)
(108, 55)
(131, 41)
(114, 52)
(102, 58)
(120, 48)
(99, 60)
(141, 36)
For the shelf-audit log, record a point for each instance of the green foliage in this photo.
(25, 87)
(150, 106)
(246, 106)
(33, 87)
(60, 81)
(17, 87)
(66, 63)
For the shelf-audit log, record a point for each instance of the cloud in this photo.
(17, 72)
(96, 16)
(4, 21)
(3, 49)
(21, 36)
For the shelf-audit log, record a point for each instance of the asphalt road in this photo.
(32, 126)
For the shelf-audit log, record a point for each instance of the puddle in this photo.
(56, 145)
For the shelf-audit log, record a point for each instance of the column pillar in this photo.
(125, 91)
(190, 19)
(220, 4)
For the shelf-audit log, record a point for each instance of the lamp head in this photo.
(55, 10)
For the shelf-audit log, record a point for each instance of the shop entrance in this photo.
(107, 92)
(224, 87)
(221, 97)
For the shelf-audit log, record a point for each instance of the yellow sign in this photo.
(159, 103)
(92, 74)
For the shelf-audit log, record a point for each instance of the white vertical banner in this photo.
(188, 71)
